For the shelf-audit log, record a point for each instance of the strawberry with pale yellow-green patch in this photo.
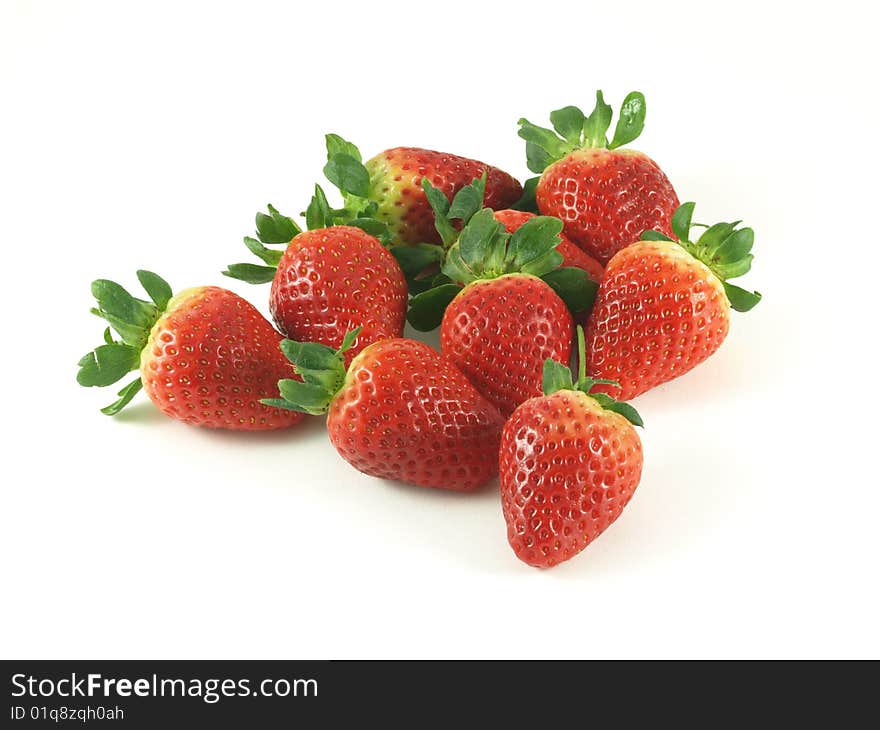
(663, 306)
(205, 356)
(388, 186)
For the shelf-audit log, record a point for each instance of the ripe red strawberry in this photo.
(606, 196)
(506, 321)
(206, 356)
(569, 463)
(389, 186)
(571, 254)
(401, 411)
(328, 281)
(664, 306)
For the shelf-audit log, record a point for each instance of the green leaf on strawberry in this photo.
(318, 214)
(250, 273)
(107, 364)
(269, 256)
(596, 125)
(468, 200)
(348, 174)
(418, 264)
(574, 286)
(130, 317)
(741, 300)
(272, 228)
(275, 228)
(568, 123)
(630, 121)
(346, 171)
(125, 397)
(527, 201)
(465, 204)
(336, 145)
(156, 287)
(426, 309)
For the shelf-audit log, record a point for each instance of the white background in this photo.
(147, 135)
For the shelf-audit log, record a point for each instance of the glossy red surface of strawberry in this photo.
(568, 468)
(571, 254)
(332, 280)
(607, 198)
(659, 312)
(395, 184)
(498, 332)
(209, 360)
(406, 413)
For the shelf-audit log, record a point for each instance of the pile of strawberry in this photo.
(592, 261)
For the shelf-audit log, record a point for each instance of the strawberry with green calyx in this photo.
(388, 186)
(572, 256)
(329, 279)
(400, 411)
(205, 356)
(449, 219)
(571, 276)
(569, 463)
(504, 319)
(607, 196)
(664, 306)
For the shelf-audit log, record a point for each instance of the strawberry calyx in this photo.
(558, 377)
(273, 228)
(724, 248)
(132, 319)
(481, 250)
(322, 370)
(572, 130)
(485, 250)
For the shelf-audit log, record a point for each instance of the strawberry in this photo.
(206, 356)
(569, 463)
(498, 319)
(664, 306)
(329, 280)
(606, 196)
(571, 254)
(389, 186)
(401, 411)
